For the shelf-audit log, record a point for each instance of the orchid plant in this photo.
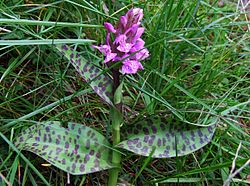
(79, 149)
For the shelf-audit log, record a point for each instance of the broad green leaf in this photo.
(168, 138)
(77, 149)
(100, 82)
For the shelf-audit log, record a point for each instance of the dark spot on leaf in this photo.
(201, 141)
(168, 137)
(192, 138)
(206, 138)
(162, 126)
(136, 140)
(154, 129)
(58, 150)
(87, 145)
(139, 145)
(183, 147)
(151, 140)
(86, 158)
(100, 84)
(146, 138)
(97, 70)
(159, 142)
(76, 148)
(200, 133)
(64, 47)
(63, 161)
(44, 153)
(145, 149)
(145, 130)
(50, 139)
(166, 153)
(192, 133)
(45, 147)
(78, 55)
(79, 131)
(21, 139)
(44, 138)
(136, 131)
(85, 68)
(47, 129)
(66, 145)
(82, 167)
(187, 141)
(98, 155)
(73, 167)
(91, 69)
(210, 128)
(183, 135)
(103, 89)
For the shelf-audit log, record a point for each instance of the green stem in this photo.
(116, 114)
(116, 156)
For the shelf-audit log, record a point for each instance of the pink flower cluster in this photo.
(127, 46)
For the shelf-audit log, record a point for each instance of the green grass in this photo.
(199, 67)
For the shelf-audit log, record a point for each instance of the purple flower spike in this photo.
(127, 42)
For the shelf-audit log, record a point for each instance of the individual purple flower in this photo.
(127, 45)
(131, 66)
(106, 51)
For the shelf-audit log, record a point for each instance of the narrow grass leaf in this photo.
(25, 159)
(46, 23)
(40, 110)
(44, 42)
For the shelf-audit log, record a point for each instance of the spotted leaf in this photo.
(167, 139)
(100, 82)
(77, 149)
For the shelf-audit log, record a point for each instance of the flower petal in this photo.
(109, 27)
(124, 47)
(138, 45)
(110, 57)
(134, 16)
(104, 49)
(138, 34)
(131, 66)
(123, 22)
